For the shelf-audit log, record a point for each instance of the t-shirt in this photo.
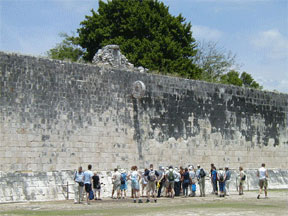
(228, 175)
(177, 177)
(214, 175)
(186, 177)
(79, 176)
(96, 181)
(168, 173)
(87, 176)
(147, 174)
(221, 173)
(134, 176)
(262, 173)
(192, 175)
(117, 178)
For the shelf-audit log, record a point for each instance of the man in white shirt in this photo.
(116, 181)
(88, 174)
(262, 174)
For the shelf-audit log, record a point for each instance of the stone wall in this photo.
(58, 115)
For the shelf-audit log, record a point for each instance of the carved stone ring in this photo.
(138, 90)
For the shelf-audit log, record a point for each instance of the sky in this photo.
(255, 30)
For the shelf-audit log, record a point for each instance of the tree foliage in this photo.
(213, 61)
(66, 50)
(234, 78)
(148, 35)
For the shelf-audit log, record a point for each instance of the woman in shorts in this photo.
(135, 177)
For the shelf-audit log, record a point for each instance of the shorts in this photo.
(96, 190)
(151, 187)
(135, 185)
(144, 182)
(123, 186)
(116, 186)
(88, 188)
(170, 184)
(263, 183)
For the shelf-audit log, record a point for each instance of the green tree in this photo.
(66, 50)
(232, 77)
(148, 35)
(248, 81)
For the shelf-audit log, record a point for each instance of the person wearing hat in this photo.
(227, 180)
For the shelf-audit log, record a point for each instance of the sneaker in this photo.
(155, 200)
(140, 201)
(258, 197)
(147, 201)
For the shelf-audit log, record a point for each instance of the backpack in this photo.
(171, 176)
(243, 178)
(91, 195)
(123, 178)
(202, 173)
(152, 175)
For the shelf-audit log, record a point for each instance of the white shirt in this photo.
(262, 173)
(117, 177)
(87, 176)
(134, 175)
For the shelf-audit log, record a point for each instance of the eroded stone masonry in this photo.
(56, 115)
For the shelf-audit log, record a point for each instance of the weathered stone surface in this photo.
(58, 115)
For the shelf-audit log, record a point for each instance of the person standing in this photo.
(116, 181)
(88, 182)
(161, 181)
(201, 180)
(212, 184)
(186, 181)
(79, 185)
(177, 182)
(221, 176)
(152, 176)
(214, 180)
(123, 186)
(242, 178)
(262, 174)
(192, 175)
(144, 182)
(96, 186)
(134, 176)
(170, 176)
(227, 180)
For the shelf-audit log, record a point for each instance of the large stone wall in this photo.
(58, 115)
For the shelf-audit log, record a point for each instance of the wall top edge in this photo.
(20, 55)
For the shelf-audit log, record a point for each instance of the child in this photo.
(96, 186)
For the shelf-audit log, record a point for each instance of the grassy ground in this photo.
(276, 204)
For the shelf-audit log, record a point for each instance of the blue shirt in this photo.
(79, 176)
(87, 176)
(214, 175)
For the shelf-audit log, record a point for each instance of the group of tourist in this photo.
(170, 181)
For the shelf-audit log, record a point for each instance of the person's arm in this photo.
(258, 173)
(266, 174)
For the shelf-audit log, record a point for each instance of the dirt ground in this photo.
(234, 205)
